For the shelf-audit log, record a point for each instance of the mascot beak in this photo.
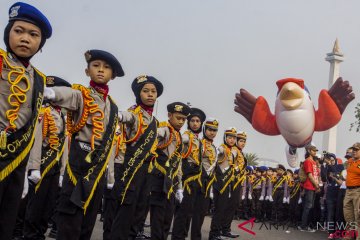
(291, 95)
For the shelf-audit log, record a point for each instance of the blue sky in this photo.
(205, 51)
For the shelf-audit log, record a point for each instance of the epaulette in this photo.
(163, 124)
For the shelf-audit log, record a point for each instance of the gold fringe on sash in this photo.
(241, 179)
(47, 169)
(213, 179)
(16, 162)
(87, 202)
(70, 173)
(228, 182)
(190, 179)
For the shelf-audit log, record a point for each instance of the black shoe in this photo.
(230, 235)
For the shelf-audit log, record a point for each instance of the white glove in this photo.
(35, 176)
(49, 93)
(211, 194)
(267, 198)
(26, 187)
(284, 200)
(61, 180)
(110, 186)
(242, 197)
(249, 196)
(300, 201)
(288, 200)
(271, 199)
(261, 198)
(179, 195)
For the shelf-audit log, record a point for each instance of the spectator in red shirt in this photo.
(311, 185)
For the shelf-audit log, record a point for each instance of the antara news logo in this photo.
(339, 229)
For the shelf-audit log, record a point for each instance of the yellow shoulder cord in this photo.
(137, 111)
(89, 107)
(50, 127)
(211, 156)
(191, 137)
(226, 153)
(171, 129)
(17, 96)
(120, 145)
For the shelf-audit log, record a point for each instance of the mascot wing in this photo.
(332, 104)
(257, 112)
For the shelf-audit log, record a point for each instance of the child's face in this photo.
(241, 143)
(269, 172)
(24, 39)
(99, 71)
(177, 120)
(148, 94)
(231, 140)
(210, 133)
(195, 123)
(258, 173)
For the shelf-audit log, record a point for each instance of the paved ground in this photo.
(262, 231)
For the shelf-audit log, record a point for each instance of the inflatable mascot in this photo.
(295, 117)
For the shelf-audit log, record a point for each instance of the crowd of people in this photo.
(66, 150)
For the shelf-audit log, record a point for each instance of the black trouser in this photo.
(267, 209)
(295, 209)
(40, 206)
(231, 207)
(240, 211)
(201, 207)
(161, 208)
(331, 202)
(256, 204)
(278, 207)
(185, 212)
(220, 201)
(123, 227)
(72, 223)
(339, 215)
(20, 219)
(11, 189)
(111, 203)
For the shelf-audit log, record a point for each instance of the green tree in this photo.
(252, 159)
(356, 124)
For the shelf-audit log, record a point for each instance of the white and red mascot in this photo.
(295, 117)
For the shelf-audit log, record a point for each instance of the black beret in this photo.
(94, 54)
(197, 112)
(281, 167)
(179, 107)
(25, 12)
(141, 80)
(53, 81)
